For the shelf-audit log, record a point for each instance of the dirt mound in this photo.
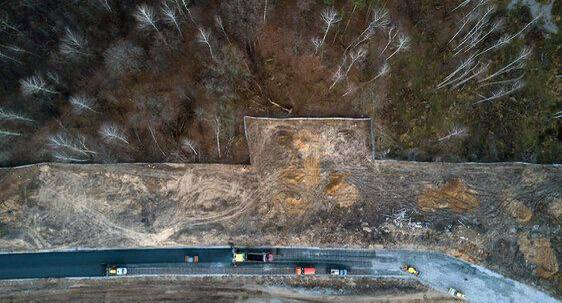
(516, 208)
(344, 193)
(539, 252)
(455, 196)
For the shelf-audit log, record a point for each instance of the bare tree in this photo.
(218, 22)
(63, 141)
(171, 17)
(355, 56)
(146, 17)
(111, 132)
(35, 85)
(337, 77)
(517, 63)
(81, 103)
(330, 17)
(217, 134)
(9, 115)
(385, 69)
(190, 145)
(105, 4)
(264, 10)
(73, 44)
(391, 37)
(123, 57)
(316, 42)
(7, 133)
(502, 92)
(203, 37)
(455, 132)
(402, 45)
(6, 56)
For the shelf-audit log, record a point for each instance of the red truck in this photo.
(305, 271)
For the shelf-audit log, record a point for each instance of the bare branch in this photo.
(502, 92)
(218, 22)
(7, 133)
(65, 142)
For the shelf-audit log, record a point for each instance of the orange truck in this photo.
(307, 271)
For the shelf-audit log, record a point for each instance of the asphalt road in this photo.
(438, 271)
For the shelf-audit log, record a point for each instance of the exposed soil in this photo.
(308, 185)
(217, 289)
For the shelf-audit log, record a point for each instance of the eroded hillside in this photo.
(300, 190)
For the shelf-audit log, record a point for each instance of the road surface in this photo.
(438, 271)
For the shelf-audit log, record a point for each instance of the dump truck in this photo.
(114, 270)
(240, 257)
(191, 259)
(307, 271)
(338, 272)
(455, 293)
(410, 269)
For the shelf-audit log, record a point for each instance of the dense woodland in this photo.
(104, 81)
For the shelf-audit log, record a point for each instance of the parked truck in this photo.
(306, 271)
(240, 257)
(114, 270)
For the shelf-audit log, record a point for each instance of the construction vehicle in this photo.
(191, 259)
(114, 270)
(410, 269)
(240, 257)
(455, 293)
(338, 272)
(306, 271)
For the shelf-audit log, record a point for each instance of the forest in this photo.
(106, 81)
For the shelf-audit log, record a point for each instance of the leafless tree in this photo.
(111, 132)
(456, 132)
(402, 44)
(123, 57)
(4, 55)
(35, 85)
(105, 4)
(330, 17)
(392, 33)
(385, 69)
(7, 133)
(502, 92)
(517, 63)
(12, 116)
(190, 145)
(483, 69)
(171, 17)
(203, 37)
(360, 53)
(146, 17)
(217, 134)
(351, 88)
(465, 65)
(81, 103)
(73, 44)
(316, 42)
(63, 141)
(220, 25)
(264, 10)
(337, 77)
